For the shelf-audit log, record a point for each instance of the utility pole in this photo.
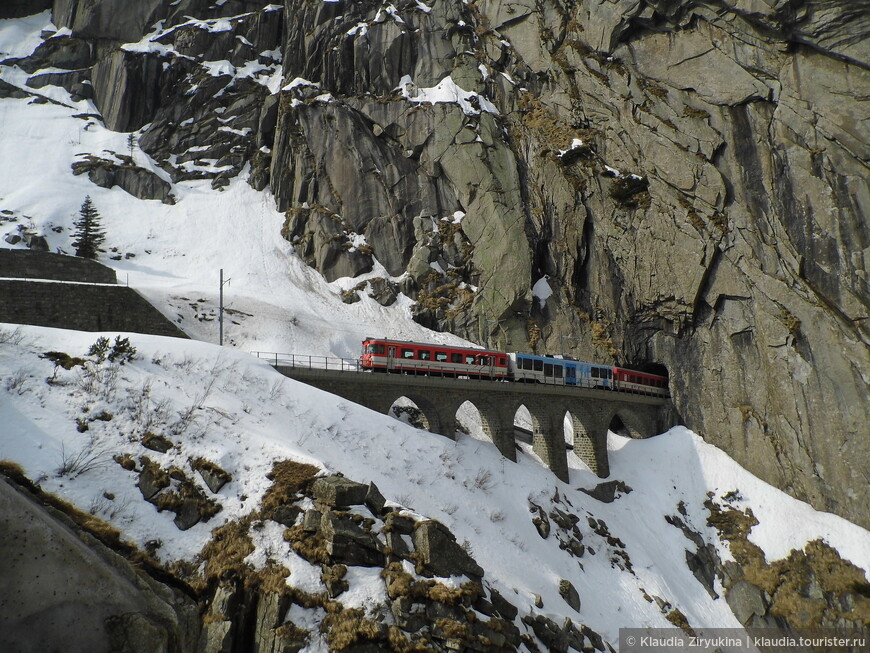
(221, 310)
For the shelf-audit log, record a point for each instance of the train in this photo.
(405, 357)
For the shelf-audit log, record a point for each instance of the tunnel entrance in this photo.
(654, 368)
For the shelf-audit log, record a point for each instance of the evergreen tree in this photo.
(89, 234)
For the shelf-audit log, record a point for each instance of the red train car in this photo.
(398, 356)
(640, 382)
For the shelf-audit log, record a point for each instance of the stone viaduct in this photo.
(591, 411)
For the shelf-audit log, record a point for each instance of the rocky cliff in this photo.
(688, 179)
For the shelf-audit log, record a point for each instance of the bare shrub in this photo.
(186, 418)
(17, 382)
(483, 480)
(276, 390)
(186, 363)
(74, 464)
(98, 380)
(11, 337)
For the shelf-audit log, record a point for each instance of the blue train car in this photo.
(553, 370)
(591, 375)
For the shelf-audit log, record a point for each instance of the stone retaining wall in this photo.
(82, 307)
(27, 264)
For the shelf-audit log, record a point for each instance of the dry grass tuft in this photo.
(224, 554)
(310, 546)
(288, 478)
(345, 628)
(679, 620)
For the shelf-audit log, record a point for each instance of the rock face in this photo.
(735, 259)
(66, 591)
(690, 177)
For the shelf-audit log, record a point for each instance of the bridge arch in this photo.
(548, 442)
(496, 424)
(589, 437)
(631, 422)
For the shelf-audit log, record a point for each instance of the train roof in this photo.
(558, 358)
(432, 344)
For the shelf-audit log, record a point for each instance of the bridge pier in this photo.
(589, 424)
(548, 441)
(498, 427)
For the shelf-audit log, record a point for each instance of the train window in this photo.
(538, 365)
(469, 359)
(374, 349)
(557, 371)
(425, 355)
(440, 356)
(407, 353)
(548, 369)
(502, 360)
(455, 358)
(594, 373)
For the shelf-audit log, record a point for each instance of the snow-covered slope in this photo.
(238, 413)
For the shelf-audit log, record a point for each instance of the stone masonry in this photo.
(28, 264)
(78, 296)
(439, 399)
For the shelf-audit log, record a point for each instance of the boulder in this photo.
(569, 593)
(374, 500)
(440, 554)
(65, 52)
(746, 601)
(311, 521)
(549, 632)
(338, 491)
(152, 479)
(188, 514)
(35, 242)
(286, 515)
(156, 442)
(213, 476)
(137, 181)
(502, 606)
(349, 544)
(608, 491)
(397, 545)
(398, 523)
(67, 591)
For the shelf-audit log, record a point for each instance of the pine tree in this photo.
(89, 234)
(131, 144)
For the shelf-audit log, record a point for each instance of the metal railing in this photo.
(310, 362)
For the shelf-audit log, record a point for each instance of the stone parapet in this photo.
(28, 264)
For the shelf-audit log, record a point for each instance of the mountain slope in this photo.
(693, 202)
(88, 435)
